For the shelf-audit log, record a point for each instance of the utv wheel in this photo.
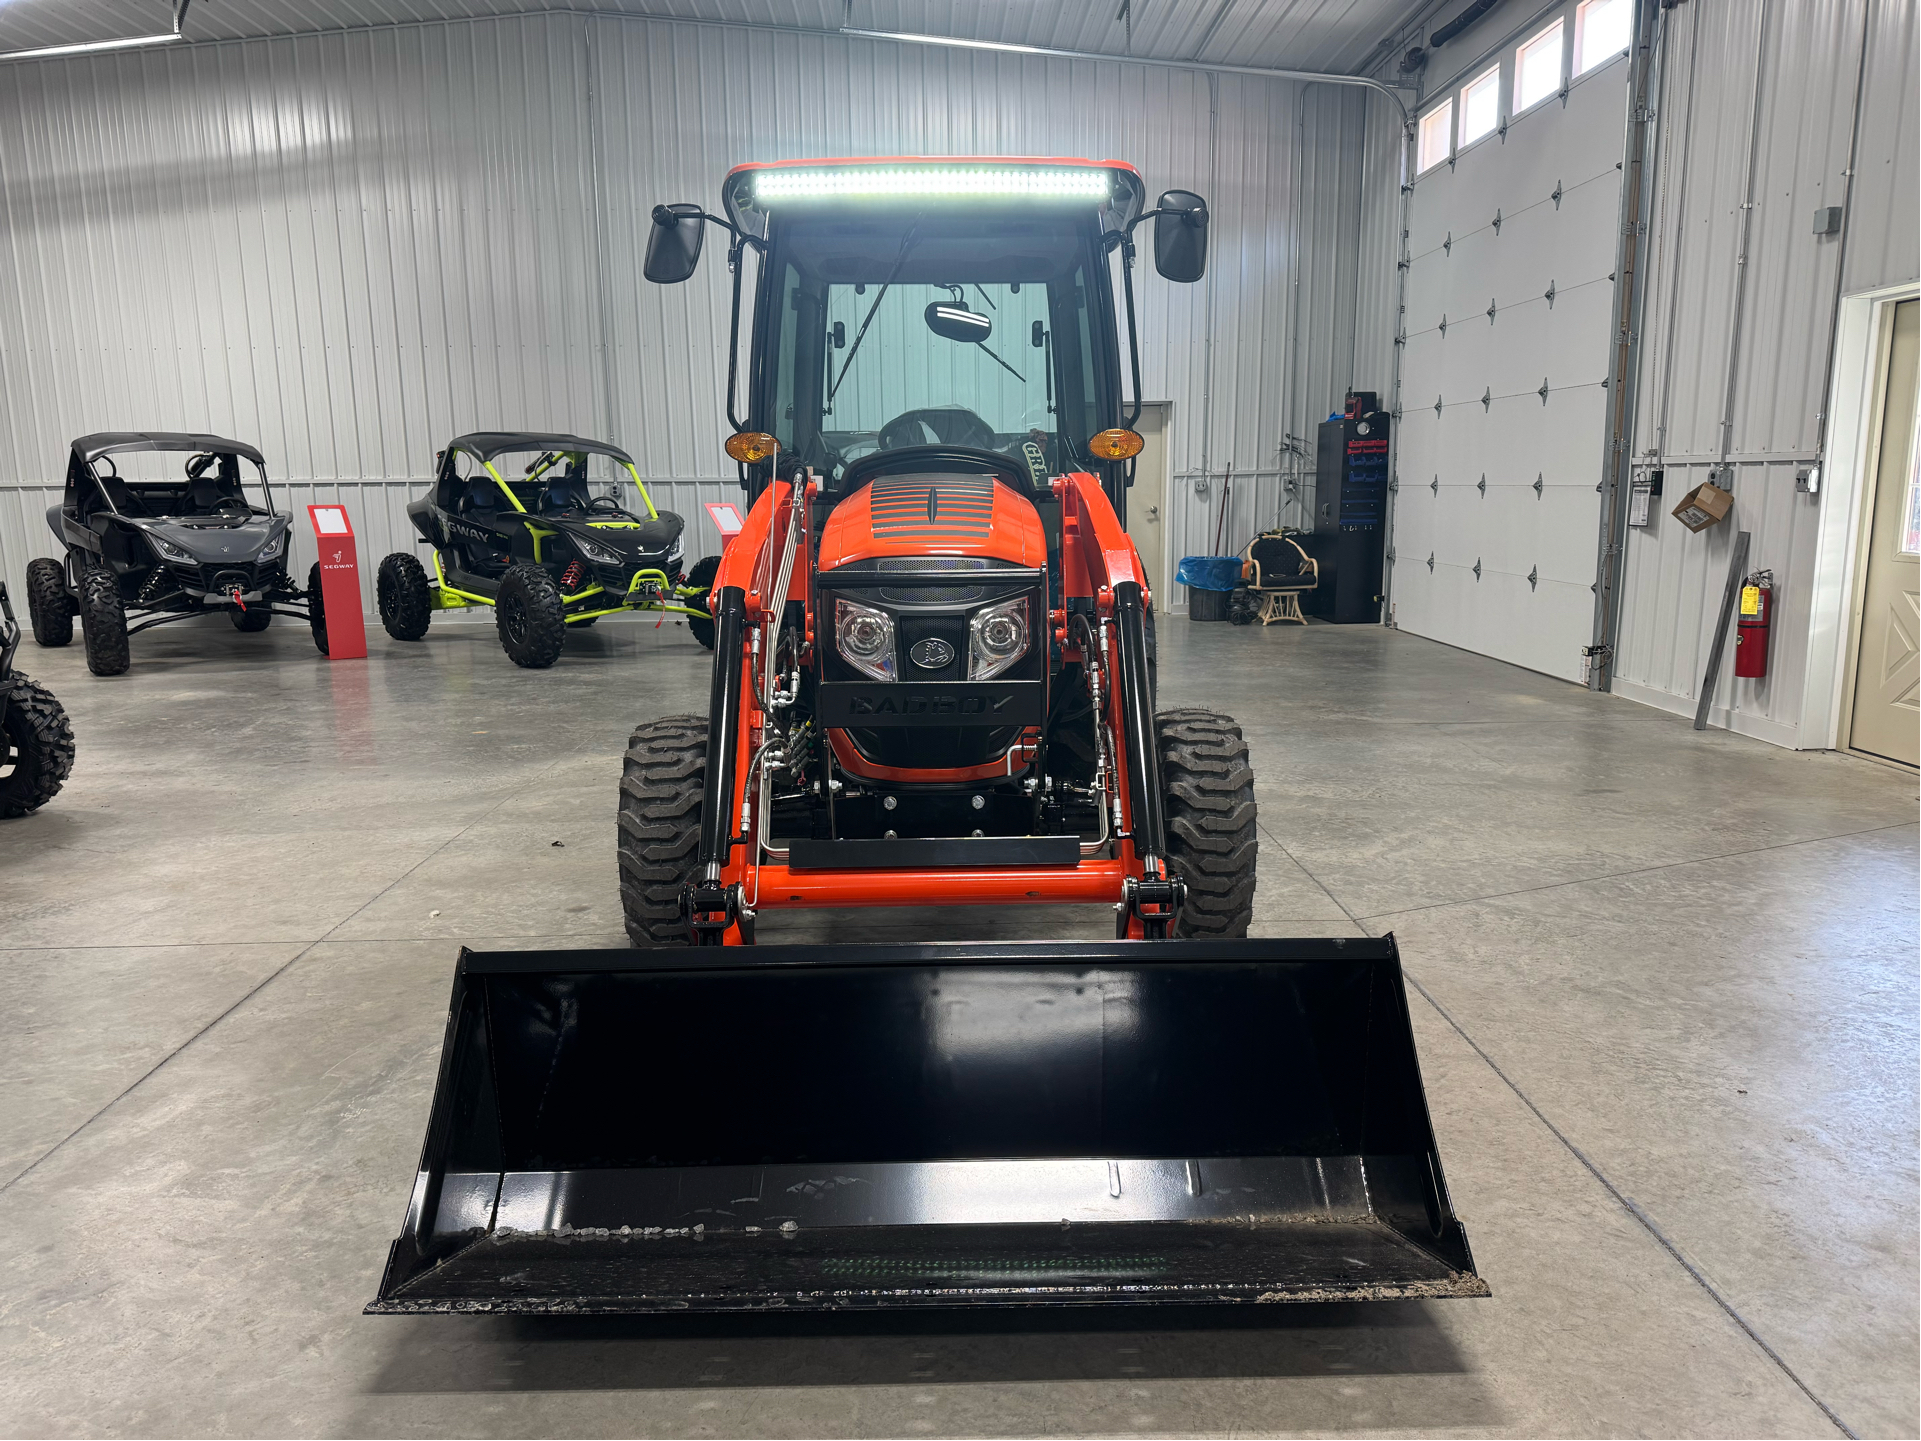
(36, 747)
(316, 609)
(401, 586)
(48, 605)
(659, 841)
(530, 617)
(251, 621)
(103, 623)
(1209, 801)
(702, 575)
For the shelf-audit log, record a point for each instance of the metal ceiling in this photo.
(1330, 35)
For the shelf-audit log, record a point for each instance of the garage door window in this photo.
(1600, 32)
(1481, 106)
(1537, 68)
(1437, 134)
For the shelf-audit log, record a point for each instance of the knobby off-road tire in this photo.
(529, 616)
(49, 606)
(36, 747)
(702, 575)
(103, 623)
(316, 609)
(401, 587)
(252, 620)
(659, 841)
(1209, 791)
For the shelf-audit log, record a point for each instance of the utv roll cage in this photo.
(127, 499)
(486, 446)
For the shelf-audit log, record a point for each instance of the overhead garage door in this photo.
(1510, 295)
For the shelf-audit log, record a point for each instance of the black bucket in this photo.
(948, 1124)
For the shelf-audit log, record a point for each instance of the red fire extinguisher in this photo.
(1751, 632)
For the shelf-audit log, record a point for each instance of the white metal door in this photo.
(1887, 669)
(1148, 498)
(1510, 295)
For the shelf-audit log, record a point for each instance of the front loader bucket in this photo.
(813, 1127)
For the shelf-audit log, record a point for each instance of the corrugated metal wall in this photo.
(350, 247)
(1694, 357)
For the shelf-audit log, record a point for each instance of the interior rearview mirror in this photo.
(1180, 237)
(673, 245)
(956, 322)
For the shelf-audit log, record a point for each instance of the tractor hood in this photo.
(938, 514)
(215, 541)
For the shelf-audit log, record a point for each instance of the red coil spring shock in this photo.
(571, 578)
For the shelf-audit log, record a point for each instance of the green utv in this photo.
(540, 548)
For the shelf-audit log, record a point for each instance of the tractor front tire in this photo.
(49, 606)
(316, 609)
(36, 747)
(530, 617)
(1208, 790)
(702, 575)
(659, 841)
(103, 623)
(405, 607)
(252, 622)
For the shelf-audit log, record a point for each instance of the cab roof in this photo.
(486, 444)
(1129, 191)
(89, 448)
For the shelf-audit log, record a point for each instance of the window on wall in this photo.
(1481, 106)
(1437, 134)
(1602, 30)
(1537, 68)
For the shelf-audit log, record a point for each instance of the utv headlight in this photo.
(998, 638)
(169, 551)
(676, 550)
(272, 549)
(865, 637)
(598, 554)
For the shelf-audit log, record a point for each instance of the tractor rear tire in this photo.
(252, 622)
(49, 606)
(316, 609)
(530, 617)
(1208, 790)
(659, 842)
(702, 575)
(36, 747)
(103, 623)
(405, 607)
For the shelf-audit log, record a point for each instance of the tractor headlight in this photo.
(865, 638)
(169, 551)
(598, 554)
(998, 637)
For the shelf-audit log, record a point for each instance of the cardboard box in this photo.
(1707, 504)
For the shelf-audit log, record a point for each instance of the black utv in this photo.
(534, 542)
(160, 547)
(36, 740)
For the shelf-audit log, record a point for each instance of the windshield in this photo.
(928, 329)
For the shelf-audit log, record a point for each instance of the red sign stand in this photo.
(339, 582)
(726, 517)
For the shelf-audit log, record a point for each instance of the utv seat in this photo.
(482, 497)
(565, 493)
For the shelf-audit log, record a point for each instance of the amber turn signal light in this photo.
(1116, 444)
(751, 447)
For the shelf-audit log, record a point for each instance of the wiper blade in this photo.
(906, 244)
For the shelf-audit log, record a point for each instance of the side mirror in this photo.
(1180, 237)
(673, 246)
(956, 322)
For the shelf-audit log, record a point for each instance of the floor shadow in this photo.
(509, 1354)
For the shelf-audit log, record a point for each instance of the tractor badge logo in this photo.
(932, 654)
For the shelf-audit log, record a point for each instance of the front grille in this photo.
(934, 565)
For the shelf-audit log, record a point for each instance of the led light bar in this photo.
(1054, 183)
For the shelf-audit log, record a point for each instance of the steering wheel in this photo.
(605, 505)
(228, 508)
(950, 424)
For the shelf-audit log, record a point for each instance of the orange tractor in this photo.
(934, 684)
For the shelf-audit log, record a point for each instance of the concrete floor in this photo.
(1665, 1001)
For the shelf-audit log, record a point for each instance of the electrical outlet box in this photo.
(1827, 220)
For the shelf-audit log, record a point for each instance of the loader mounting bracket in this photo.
(709, 908)
(1155, 903)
